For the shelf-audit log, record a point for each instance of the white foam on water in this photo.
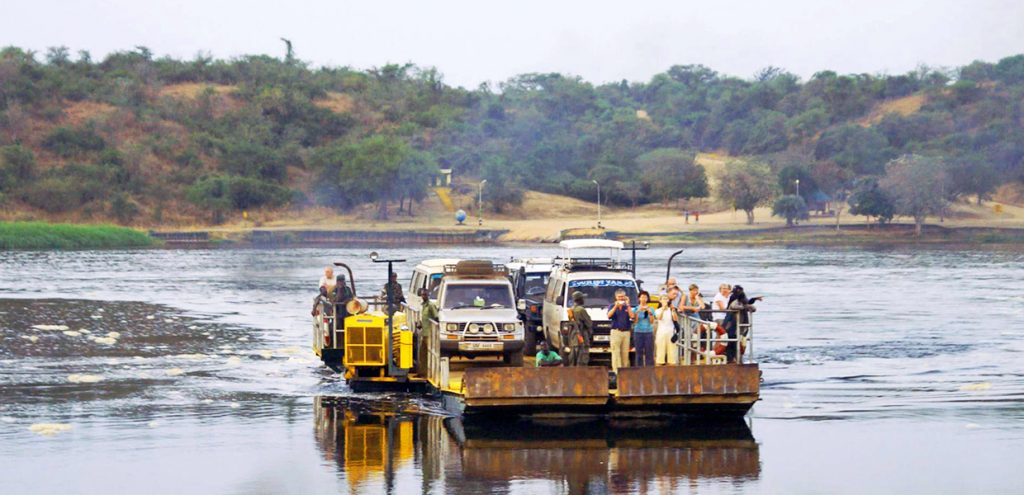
(234, 405)
(114, 335)
(104, 340)
(234, 361)
(971, 426)
(975, 387)
(96, 317)
(150, 317)
(266, 354)
(206, 401)
(288, 350)
(153, 424)
(174, 372)
(299, 360)
(243, 339)
(168, 320)
(30, 338)
(51, 327)
(101, 310)
(84, 378)
(84, 331)
(49, 429)
(6, 419)
(72, 333)
(193, 357)
(209, 338)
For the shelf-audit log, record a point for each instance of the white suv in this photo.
(598, 278)
(477, 313)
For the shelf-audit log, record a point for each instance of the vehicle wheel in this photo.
(513, 359)
(531, 341)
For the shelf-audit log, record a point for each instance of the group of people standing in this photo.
(652, 331)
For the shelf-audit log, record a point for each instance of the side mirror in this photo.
(521, 305)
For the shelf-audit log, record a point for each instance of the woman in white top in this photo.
(664, 350)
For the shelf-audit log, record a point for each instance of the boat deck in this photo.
(488, 386)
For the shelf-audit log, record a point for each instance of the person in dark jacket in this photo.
(740, 307)
(581, 333)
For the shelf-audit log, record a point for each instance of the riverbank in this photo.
(42, 235)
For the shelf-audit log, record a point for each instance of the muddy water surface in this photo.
(178, 371)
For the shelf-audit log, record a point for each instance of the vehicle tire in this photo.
(530, 336)
(513, 358)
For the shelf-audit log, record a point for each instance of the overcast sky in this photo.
(475, 41)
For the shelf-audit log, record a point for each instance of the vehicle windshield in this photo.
(601, 293)
(477, 295)
(536, 284)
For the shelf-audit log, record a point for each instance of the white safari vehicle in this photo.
(477, 312)
(426, 275)
(593, 267)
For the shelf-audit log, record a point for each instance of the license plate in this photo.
(479, 346)
(600, 338)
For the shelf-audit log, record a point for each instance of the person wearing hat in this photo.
(428, 313)
(581, 333)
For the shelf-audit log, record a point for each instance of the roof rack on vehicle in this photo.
(596, 264)
(476, 268)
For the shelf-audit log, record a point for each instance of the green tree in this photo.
(502, 188)
(864, 151)
(974, 175)
(414, 174)
(791, 207)
(745, 186)
(371, 168)
(917, 185)
(870, 200)
(664, 172)
(17, 166)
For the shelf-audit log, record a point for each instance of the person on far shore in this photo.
(686, 215)
(621, 314)
(696, 216)
(643, 331)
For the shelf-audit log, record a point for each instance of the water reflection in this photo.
(381, 448)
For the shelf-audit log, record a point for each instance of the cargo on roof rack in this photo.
(476, 268)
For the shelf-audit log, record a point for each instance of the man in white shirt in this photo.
(721, 301)
(327, 281)
(677, 296)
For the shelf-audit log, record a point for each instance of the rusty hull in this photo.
(539, 388)
(729, 388)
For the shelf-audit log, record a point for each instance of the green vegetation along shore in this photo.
(41, 235)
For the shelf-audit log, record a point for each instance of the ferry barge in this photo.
(377, 352)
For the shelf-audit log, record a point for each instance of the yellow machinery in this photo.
(366, 346)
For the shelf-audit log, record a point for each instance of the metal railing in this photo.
(700, 340)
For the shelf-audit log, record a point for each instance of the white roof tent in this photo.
(590, 244)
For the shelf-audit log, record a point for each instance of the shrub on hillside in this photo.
(67, 142)
(222, 192)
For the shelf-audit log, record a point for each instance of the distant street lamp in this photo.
(480, 203)
(598, 202)
(798, 187)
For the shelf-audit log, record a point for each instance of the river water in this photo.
(189, 371)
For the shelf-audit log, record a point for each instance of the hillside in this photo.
(142, 141)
